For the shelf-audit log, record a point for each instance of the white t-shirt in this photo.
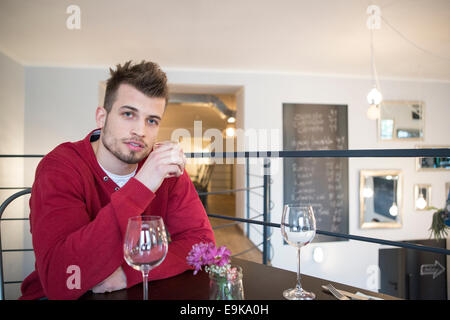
(119, 180)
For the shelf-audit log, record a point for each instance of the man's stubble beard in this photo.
(113, 147)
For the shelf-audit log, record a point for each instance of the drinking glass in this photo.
(298, 227)
(145, 245)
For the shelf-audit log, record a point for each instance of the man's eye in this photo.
(152, 121)
(127, 114)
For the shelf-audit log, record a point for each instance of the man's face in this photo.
(129, 130)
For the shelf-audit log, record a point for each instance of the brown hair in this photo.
(147, 77)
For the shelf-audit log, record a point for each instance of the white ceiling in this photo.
(301, 36)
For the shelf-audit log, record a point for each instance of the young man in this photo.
(84, 193)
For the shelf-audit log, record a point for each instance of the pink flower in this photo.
(196, 256)
(222, 256)
(206, 254)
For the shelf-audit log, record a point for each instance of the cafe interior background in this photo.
(258, 59)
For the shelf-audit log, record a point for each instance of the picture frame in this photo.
(447, 190)
(401, 120)
(432, 163)
(379, 191)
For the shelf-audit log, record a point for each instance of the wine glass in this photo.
(145, 245)
(298, 227)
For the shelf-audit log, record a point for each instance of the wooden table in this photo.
(261, 282)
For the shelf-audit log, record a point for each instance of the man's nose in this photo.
(139, 129)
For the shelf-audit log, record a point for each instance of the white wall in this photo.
(11, 119)
(60, 105)
(11, 169)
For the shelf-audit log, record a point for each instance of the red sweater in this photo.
(78, 216)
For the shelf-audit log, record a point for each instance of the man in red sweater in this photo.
(84, 193)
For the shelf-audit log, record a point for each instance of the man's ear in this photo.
(100, 116)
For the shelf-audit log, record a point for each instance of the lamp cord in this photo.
(412, 43)
(372, 60)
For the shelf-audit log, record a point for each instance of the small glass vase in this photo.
(221, 288)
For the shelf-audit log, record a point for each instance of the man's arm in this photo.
(65, 238)
(187, 223)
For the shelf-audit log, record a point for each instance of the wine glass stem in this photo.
(145, 273)
(299, 286)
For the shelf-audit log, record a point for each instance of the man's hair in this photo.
(147, 77)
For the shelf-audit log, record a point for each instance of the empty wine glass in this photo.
(298, 227)
(145, 245)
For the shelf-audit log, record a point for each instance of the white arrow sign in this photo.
(432, 269)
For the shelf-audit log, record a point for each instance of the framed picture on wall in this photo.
(380, 195)
(432, 163)
(401, 121)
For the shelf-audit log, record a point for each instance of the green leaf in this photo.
(438, 227)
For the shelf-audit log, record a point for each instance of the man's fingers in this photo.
(171, 160)
(174, 171)
(184, 158)
(99, 288)
(165, 147)
(116, 281)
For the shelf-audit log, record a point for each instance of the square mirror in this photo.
(401, 120)
(422, 196)
(380, 194)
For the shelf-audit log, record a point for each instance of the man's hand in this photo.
(116, 281)
(166, 160)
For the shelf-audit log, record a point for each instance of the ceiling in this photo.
(298, 36)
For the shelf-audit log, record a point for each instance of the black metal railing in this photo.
(370, 153)
(266, 195)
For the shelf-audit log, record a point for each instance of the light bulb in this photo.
(374, 96)
(393, 211)
(367, 192)
(421, 203)
(230, 131)
(231, 120)
(373, 113)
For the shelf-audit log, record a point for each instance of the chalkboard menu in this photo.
(319, 182)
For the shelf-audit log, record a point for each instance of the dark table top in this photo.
(261, 282)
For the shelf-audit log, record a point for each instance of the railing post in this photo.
(269, 210)
(247, 172)
(266, 209)
(2, 279)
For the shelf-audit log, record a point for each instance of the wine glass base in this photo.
(298, 294)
